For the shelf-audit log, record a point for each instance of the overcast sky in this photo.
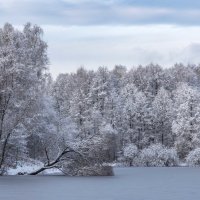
(94, 33)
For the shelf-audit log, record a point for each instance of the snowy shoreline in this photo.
(55, 172)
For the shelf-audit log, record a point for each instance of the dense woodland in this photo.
(80, 122)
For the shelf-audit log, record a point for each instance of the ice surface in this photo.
(127, 184)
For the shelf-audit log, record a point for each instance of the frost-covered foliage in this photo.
(162, 117)
(130, 152)
(89, 156)
(90, 118)
(155, 155)
(186, 125)
(141, 107)
(158, 156)
(23, 61)
(193, 158)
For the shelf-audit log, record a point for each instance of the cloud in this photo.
(106, 2)
(93, 46)
(100, 12)
(173, 4)
(190, 54)
(108, 32)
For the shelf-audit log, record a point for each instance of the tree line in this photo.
(82, 120)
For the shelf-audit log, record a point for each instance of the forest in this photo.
(83, 122)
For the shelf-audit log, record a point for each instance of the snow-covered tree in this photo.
(162, 113)
(186, 125)
(135, 115)
(130, 152)
(99, 90)
(157, 155)
(23, 63)
(193, 158)
(147, 79)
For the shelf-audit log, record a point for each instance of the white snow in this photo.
(25, 168)
(127, 184)
(30, 167)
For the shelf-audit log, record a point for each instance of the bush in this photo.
(193, 158)
(130, 153)
(158, 156)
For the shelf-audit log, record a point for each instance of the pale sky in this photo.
(93, 33)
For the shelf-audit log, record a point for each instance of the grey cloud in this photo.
(173, 4)
(87, 12)
(190, 54)
(94, 46)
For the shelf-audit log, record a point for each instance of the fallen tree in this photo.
(53, 164)
(85, 159)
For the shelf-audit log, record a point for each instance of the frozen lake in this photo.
(127, 184)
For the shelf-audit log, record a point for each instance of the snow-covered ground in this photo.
(127, 184)
(31, 167)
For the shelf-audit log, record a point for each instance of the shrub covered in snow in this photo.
(193, 158)
(158, 156)
(130, 153)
